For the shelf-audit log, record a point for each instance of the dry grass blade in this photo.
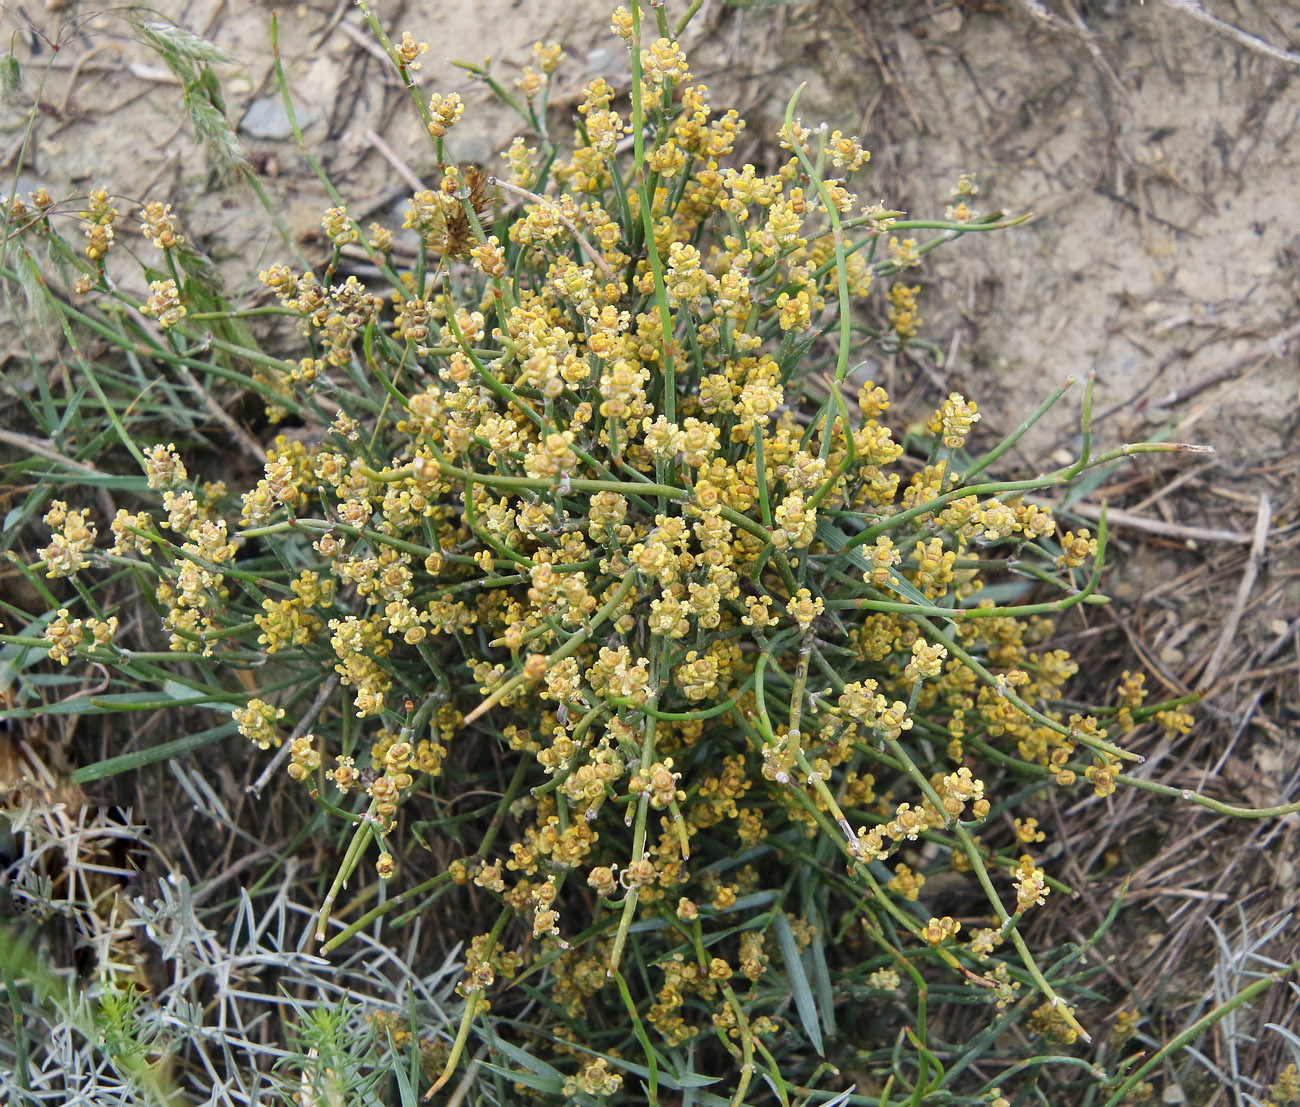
(28, 444)
(391, 156)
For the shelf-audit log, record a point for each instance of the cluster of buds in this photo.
(304, 757)
(97, 223)
(959, 788)
(603, 880)
(344, 774)
(639, 874)
(338, 228)
(546, 919)
(1027, 831)
(906, 883)
(907, 823)
(1132, 691)
(158, 226)
(1031, 884)
(444, 113)
(659, 782)
(779, 757)
(1076, 548)
(72, 539)
(1052, 1020)
(927, 661)
(65, 636)
(409, 51)
(1102, 774)
(164, 468)
(489, 258)
(954, 420)
(804, 608)
(164, 303)
(796, 523)
(882, 557)
(938, 931)
(594, 1078)
(902, 314)
(256, 722)
(893, 721)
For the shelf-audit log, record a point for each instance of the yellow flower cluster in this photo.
(97, 225)
(66, 636)
(159, 227)
(164, 303)
(1031, 884)
(938, 931)
(72, 539)
(444, 113)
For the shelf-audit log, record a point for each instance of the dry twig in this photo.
(1196, 10)
(1271, 347)
(581, 239)
(390, 155)
(1127, 519)
(251, 446)
(40, 449)
(1253, 564)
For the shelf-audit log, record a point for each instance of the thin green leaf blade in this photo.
(528, 1079)
(804, 1003)
(129, 762)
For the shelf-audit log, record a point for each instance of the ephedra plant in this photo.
(595, 568)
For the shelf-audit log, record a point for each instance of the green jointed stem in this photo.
(364, 832)
(467, 1017)
(668, 399)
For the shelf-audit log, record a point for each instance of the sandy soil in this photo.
(1162, 173)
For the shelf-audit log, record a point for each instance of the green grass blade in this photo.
(129, 762)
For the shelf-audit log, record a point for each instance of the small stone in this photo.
(947, 19)
(266, 118)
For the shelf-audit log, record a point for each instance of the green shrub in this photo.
(587, 511)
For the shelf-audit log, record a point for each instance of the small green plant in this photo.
(587, 512)
(197, 1026)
